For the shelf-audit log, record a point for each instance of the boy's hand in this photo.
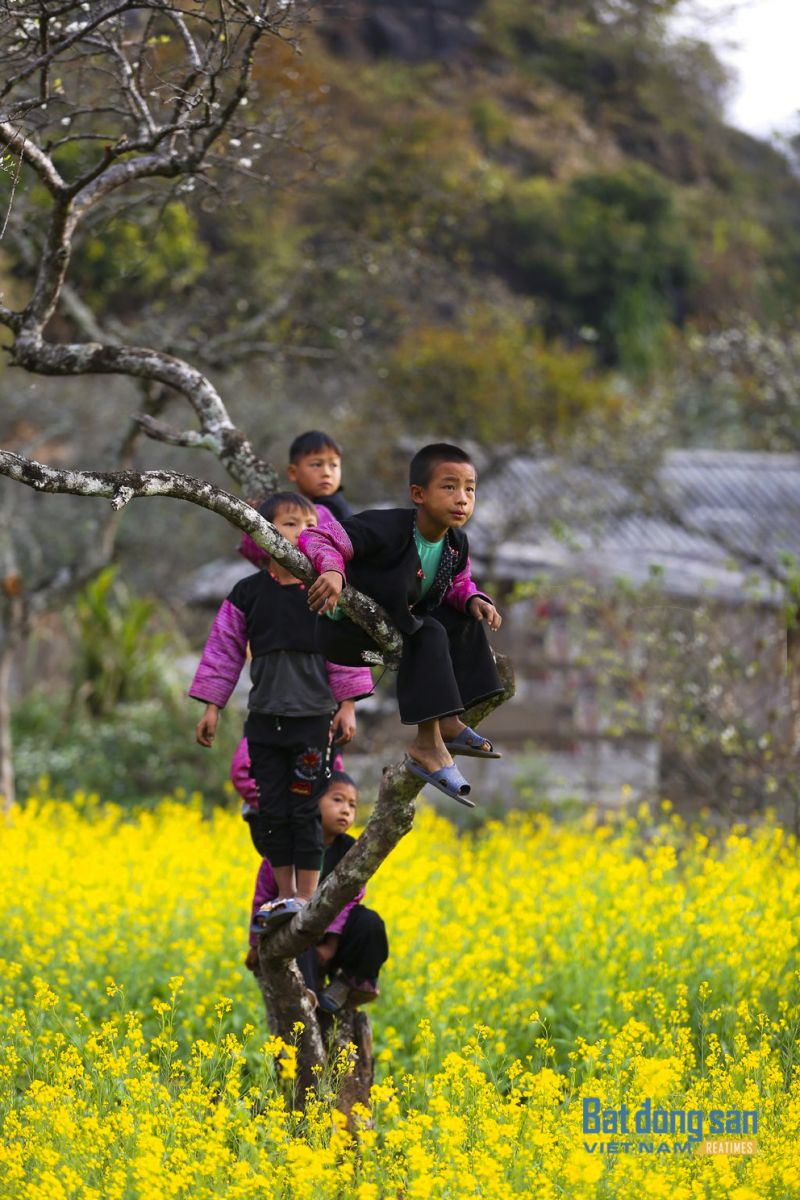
(325, 591)
(206, 728)
(343, 725)
(482, 610)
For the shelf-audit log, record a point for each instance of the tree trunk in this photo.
(285, 995)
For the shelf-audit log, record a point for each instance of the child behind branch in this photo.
(354, 947)
(297, 705)
(315, 470)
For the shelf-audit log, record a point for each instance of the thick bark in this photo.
(355, 1030)
(290, 1015)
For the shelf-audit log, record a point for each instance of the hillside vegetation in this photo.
(488, 219)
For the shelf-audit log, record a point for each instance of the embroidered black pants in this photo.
(288, 761)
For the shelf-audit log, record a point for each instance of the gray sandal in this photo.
(447, 779)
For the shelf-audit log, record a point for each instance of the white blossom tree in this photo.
(123, 103)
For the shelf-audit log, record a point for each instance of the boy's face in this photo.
(317, 475)
(448, 498)
(292, 521)
(338, 808)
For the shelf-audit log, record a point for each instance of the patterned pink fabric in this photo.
(462, 589)
(325, 515)
(349, 683)
(224, 655)
(241, 778)
(328, 547)
(258, 557)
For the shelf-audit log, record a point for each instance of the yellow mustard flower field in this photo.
(569, 1010)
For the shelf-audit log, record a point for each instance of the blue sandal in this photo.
(447, 779)
(471, 743)
(276, 913)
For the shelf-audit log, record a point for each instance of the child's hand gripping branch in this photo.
(324, 593)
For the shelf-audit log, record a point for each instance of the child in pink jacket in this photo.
(297, 706)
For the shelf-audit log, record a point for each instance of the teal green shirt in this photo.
(430, 555)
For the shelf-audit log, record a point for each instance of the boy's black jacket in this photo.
(386, 564)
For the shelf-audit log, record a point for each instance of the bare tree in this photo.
(284, 993)
(123, 103)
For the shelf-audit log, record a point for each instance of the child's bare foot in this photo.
(450, 728)
(460, 739)
(430, 756)
(428, 748)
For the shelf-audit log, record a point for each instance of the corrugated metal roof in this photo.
(546, 515)
(539, 515)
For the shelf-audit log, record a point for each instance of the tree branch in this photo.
(41, 163)
(229, 444)
(65, 43)
(120, 487)
(160, 432)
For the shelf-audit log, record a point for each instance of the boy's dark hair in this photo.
(424, 461)
(342, 777)
(312, 442)
(278, 500)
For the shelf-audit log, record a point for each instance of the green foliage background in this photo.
(556, 196)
